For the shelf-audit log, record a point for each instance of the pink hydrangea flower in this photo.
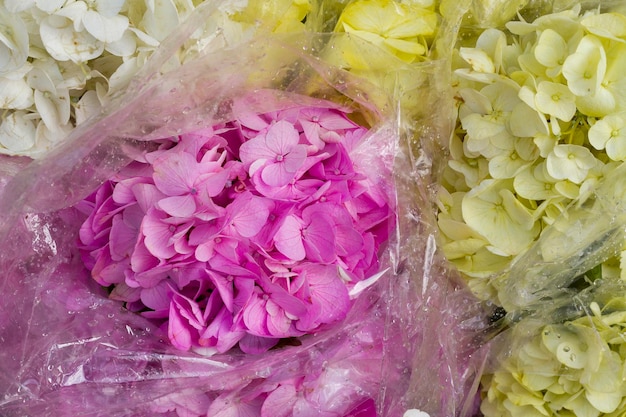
(243, 233)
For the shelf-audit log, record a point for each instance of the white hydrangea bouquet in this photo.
(61, 61)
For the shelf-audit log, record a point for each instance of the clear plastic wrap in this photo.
(411, 339)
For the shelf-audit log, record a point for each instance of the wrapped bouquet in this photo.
(531, 204)
(233, 217)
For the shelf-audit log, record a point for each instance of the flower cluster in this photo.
(246, 232)
(61, 60)
(571, 369)
(541, 122)
(405, 30)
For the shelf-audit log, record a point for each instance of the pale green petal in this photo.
(456, 230)
(417, 22)
(556, 100)
(566, 23)
(581, 407)
(571, 355)
(479, 60)
(506, 165)
(527, 122)
(610, 128)
(567, 189)
(607, 377)
(570, 162)
(554, 336)
(545, 144)
(604, 402)
(482, 264)
(608, 25)
(585, 69)
(599, 104)
(493, 42)
(530, 184)
(526, 149)
(494, 212)
(408, 47)
(538, 382)
(551, 49)
(462, 248)
(503, 96)
(480, 129)
(474, 101)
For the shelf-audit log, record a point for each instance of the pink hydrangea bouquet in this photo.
(247, 229)
(243, 233)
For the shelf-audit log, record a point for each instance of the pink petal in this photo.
(281, 137)
(177, 329)
(294, 159)
(288, 239)
(142, 260)
(158, 235)
(226, 406)
(189, 310)
(123, 292)
(174, 173)
(328, 291)
(249, 214)
(212, 183)
(280, 402)
(146, 195)
(319, 240)
(224, 286)
(122, 239)
(280, 173)
(288, 302)
(278, 324)
(255, 345)
(191, 403)
(348, 240)
(255, 150)
(106, 271)
(157, 297)
(178, 206)
(255, 316)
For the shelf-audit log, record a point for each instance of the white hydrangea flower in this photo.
(49, 6)
(160, 19)
(51, 102)
(17, 133)
(14, 42)
(64, 43)
(15, 94)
